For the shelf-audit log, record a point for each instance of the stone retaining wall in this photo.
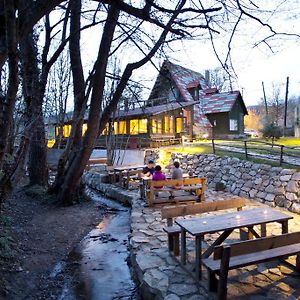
(274, 186)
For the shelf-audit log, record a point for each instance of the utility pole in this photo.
(285, 104)
(265, 100)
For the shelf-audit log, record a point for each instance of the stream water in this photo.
(101, 268)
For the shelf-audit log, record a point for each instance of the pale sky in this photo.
(252, 64)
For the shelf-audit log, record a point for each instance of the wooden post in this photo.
(222, 287)
(213, 146)
(246, 152)
(285, 105)
(281, 154)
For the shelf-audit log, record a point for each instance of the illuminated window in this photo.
(66, 130)
(154, 126)
(167, 124)
(84, 129)
(122, 127)
(134, 126)
(143, 125)
(171, 124)
(178, 125)
(56, 131)
(116, 129)
(159, 126)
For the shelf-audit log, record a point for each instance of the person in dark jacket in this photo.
(149, 169)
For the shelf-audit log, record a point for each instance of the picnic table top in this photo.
(129, 167)
(228, 221)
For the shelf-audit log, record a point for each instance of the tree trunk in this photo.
(77, 165)
(7, 104)
(34, 94)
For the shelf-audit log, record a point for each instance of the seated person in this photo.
(158, 175)
(177, 171)
(149, 169)
(177, 174)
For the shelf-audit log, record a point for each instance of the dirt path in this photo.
(44, 234)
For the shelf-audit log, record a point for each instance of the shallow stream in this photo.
(100, 261)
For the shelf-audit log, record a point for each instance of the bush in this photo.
(272, 131)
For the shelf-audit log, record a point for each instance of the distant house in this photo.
(180, 104)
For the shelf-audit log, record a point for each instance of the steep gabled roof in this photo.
(221, 102)
(184, 79)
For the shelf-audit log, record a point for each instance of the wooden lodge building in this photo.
(180, 104)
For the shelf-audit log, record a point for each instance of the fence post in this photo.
(281, 155)
(246, 150)
(213, 146)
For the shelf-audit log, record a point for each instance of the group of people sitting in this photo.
(156, 173)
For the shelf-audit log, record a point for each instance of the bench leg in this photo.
(212, 281)
(176, 250)
(183, 246)
(224, 268)
(263, 230)
(198, 248)
(284, 227)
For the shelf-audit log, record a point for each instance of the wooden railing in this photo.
(261, 150)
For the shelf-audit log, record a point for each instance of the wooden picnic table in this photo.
(121, 170)
(226, 223)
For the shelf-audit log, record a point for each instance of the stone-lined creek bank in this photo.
(161, 277)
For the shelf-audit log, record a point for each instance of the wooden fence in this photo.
(259, 149)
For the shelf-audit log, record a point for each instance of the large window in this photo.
(233, 125)
(134, 126)
(122, 127)
(138, 126)
(156, 126)
(143, 123)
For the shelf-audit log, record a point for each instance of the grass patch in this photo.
(207, 149)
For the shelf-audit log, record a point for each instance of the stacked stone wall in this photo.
(274, 186)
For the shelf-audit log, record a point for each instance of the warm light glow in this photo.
(205, 135)
(134, 126)
(171, 124)
(50, 143)
(84, 129)
(167, 124)
(66, 130)
(178, 125)
(143, 124)
(265, 211)
(122, 127)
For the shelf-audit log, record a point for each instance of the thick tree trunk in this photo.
(75, 139)
(76, 166)
(7, 104)
(34, 92)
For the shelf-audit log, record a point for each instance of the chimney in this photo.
(207, 78)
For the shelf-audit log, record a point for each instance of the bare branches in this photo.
(146, 15)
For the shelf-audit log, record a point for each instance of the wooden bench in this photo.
(241, 254)
(196, 185)
(96, 161)
(172, 212)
